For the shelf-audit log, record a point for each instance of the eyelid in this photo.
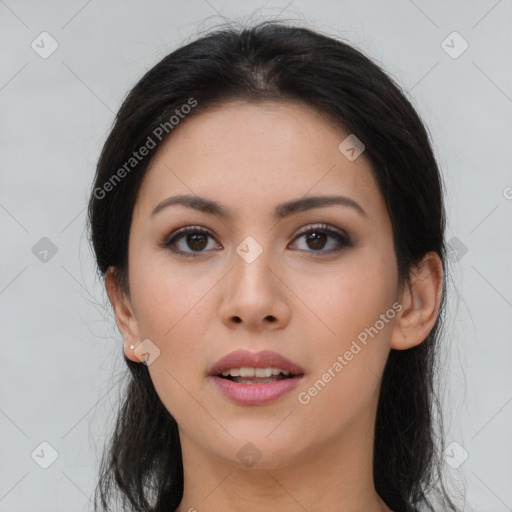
(322, 227)
(188, 229)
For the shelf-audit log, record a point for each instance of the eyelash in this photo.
(342, 238)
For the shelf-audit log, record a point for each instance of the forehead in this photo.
(253, 154)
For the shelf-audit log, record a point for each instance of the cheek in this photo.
(172, 311)
(354, 344)
(180, 325)
(169, 296)
(352, 298)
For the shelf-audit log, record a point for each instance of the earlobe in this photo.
(125, 318)
(420, 302)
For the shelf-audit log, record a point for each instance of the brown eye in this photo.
(317, 238)
(196, 241)
(192, 241)
(189, 241)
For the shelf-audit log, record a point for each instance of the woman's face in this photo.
(255, 281)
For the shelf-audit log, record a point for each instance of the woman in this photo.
(268, 217)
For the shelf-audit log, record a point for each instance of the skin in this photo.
(251, 157)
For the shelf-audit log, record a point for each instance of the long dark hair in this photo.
(275, 61)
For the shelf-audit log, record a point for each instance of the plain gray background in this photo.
(60, 363)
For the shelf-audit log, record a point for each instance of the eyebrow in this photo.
(281, 211)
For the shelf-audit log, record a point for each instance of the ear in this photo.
(125, 318)
(420, 300)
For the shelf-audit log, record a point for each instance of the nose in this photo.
(255, 296)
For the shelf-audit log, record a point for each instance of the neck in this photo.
(337, 475)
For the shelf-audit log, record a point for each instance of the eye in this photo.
(192, 241)
(317, 237)
(193, 237)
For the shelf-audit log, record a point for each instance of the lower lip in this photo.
(256, 394)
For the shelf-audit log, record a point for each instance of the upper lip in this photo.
(263, 359)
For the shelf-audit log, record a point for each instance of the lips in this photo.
(263, 359)
(249, 391)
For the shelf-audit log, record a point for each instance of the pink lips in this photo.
(256, 394)
(262, 359)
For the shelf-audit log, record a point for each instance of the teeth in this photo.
(263, 372)
(246, 371)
